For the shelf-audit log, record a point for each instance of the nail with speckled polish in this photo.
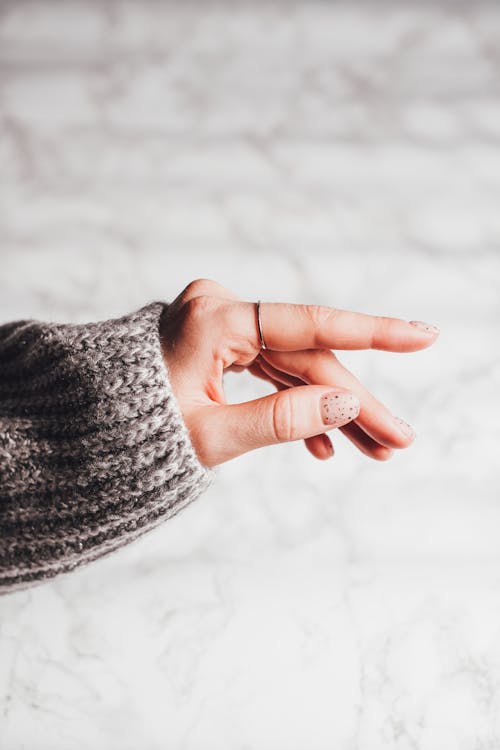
(426, 327)
(338, 407)
(405, 428)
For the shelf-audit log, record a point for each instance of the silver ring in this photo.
(263, 346)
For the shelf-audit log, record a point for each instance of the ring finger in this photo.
(364, 442)
(315, 366)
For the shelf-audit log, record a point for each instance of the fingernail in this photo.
(338, 407)
(427, 327)
(405, 428)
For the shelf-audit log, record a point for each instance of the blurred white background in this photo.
(342, 153)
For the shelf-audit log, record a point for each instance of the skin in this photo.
(208, 330)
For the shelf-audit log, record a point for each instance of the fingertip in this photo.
(320, 446)
(339, 406)
(406, 431)
(329, 449)
(426, 333)
(381, 453)
(413, 339)
(428, 328)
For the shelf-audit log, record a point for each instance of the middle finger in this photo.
(321, 366)
(364, 442)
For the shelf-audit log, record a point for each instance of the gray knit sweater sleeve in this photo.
(94, 451)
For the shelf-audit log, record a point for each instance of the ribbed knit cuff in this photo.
(94, 450)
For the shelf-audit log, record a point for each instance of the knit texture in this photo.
(94, 450)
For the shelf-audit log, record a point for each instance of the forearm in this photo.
(93, 447)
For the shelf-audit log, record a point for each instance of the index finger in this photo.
(292, 327)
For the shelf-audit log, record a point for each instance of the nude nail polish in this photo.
(427, 327)
(338, 407)
(405, 428)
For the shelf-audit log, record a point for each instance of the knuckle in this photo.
(380, 329)
(318, 363)
(322, 313)
(200, 306)
(196, 315)
(194, 289)
(198, 287)
(320, 316)
(202, 286)
(283, 427)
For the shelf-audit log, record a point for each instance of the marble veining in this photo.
(345, 153)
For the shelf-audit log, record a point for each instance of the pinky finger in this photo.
(320, 446)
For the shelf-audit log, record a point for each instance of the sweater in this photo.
(94, 450)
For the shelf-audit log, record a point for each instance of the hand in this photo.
(208, 330)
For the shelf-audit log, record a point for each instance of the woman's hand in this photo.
(207, 331)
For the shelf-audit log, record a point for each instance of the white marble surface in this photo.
(341, 153)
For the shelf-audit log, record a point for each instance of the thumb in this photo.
(290, 414)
